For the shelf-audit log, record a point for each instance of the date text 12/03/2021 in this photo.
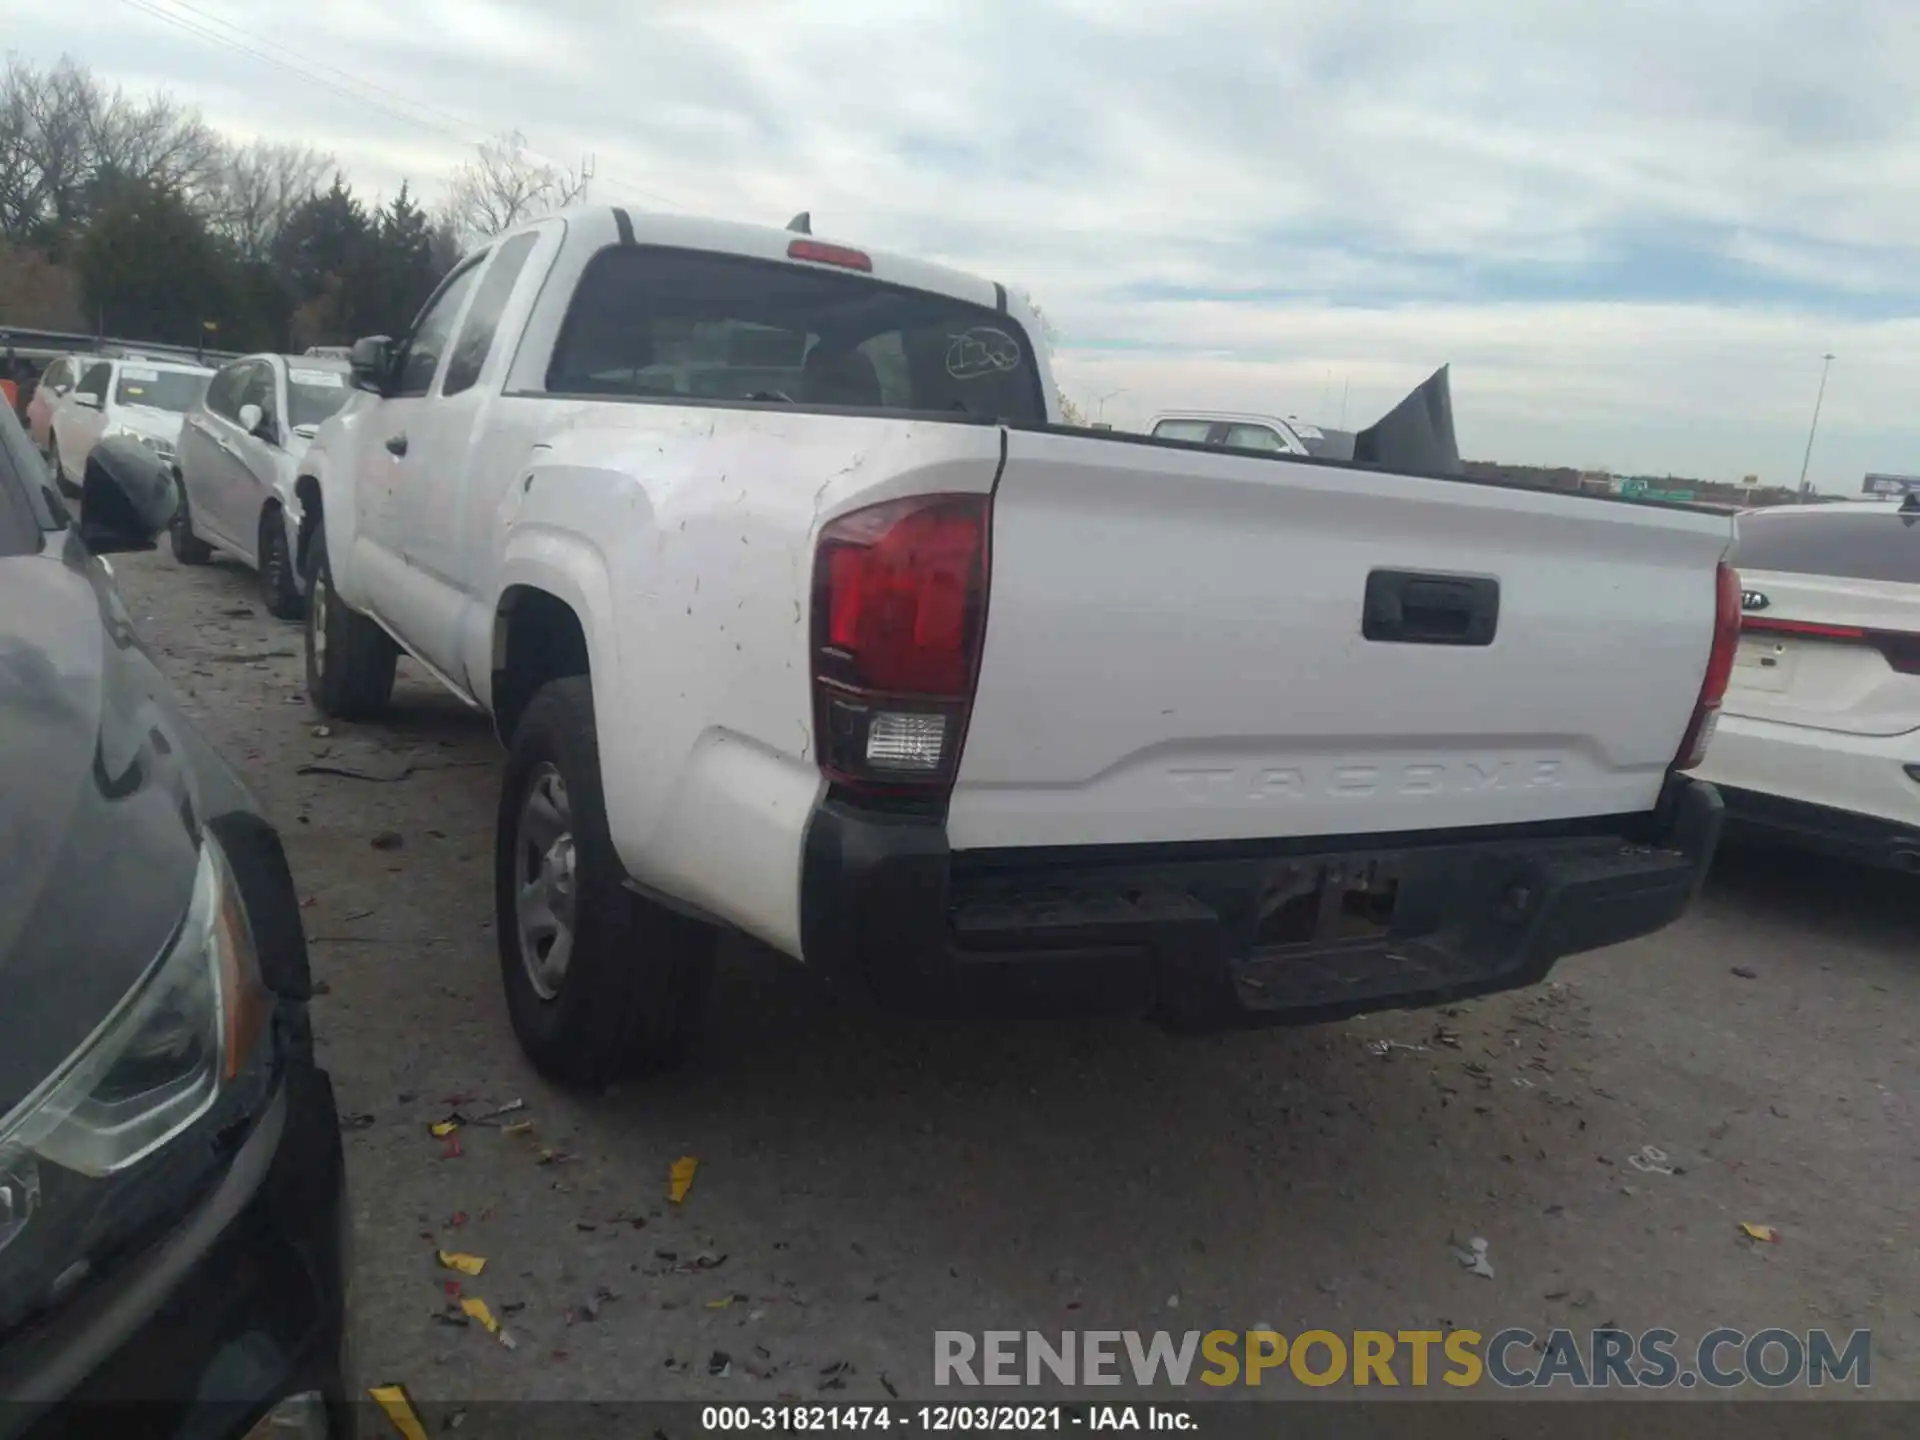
(946, 1419)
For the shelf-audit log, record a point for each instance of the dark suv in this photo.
(173, 1224)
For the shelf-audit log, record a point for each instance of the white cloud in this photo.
(1633, 227)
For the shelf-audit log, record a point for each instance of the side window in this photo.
(95, 381)
(483, 319)
(888, 355)
(223, 391)
(420, 356)
(1253, 437)
(256, 388)
(1192, 430)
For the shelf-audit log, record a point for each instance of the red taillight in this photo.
(1804, 627)
(1900, 648)
(899, 612)
(1713, 688)
(822, 253)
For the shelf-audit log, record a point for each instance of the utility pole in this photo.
(1825, 365)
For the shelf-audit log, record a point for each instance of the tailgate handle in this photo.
(1405, 607)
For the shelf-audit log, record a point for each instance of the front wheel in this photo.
(600, 981)
(279, 586)
(350, 659)
(188, 548)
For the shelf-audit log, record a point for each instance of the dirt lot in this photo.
(864, 1182)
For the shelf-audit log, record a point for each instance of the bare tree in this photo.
(63, 134)
(256, 187)
(506, 183)
(1070, 411)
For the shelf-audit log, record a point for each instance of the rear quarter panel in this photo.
(684, 539)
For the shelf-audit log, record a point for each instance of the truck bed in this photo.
(1179, 647)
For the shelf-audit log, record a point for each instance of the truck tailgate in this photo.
(1175, 650)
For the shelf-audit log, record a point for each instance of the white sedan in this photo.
(1819, 736)
(240, 449)
(142, 398)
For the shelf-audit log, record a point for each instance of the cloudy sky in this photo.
(1633, 227)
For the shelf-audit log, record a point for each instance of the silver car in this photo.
(239, 455)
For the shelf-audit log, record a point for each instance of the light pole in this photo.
(1100, 413)
(1826, 364)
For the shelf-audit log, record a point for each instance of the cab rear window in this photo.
(650, 322)
(1841, 544)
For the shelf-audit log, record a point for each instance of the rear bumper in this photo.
(1847, 795)
(1216, 935)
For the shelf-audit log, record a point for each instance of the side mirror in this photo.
(256, 423)
(371, 362)
(126, 498)
(88, 399)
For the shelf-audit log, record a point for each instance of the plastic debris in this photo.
(457, 1219)
(1746, 973)
(1474, 1258)
(1765, 1234)
(443, 1128)
(1651, 1160)
(476, 1309)
(553, 1157)
(1385, 1048)
(720, 1364)
(451, 1150)
(464, 1263)
(519, 1127)
(493, 1116)
(356, 1121)
(680, 1178)
(397, 1405)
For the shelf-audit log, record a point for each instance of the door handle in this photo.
(1406, 607)
(397, 445)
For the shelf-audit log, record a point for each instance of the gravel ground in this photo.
(863, 1182)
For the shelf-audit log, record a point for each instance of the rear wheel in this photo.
(350, 659)
(600, 981)
(279, 587)
(188, 548)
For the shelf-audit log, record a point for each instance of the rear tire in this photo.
(188, 548)
(350, 659)
(279, 586)
(600, 982)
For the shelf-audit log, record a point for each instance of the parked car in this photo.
(239, 450)
(1819, 739)
(142, 398)
(56, 381)
(1253, 432)
(173, 1224)
(799, 615)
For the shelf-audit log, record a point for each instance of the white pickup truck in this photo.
(801, 616)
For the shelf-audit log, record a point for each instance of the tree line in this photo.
(131, 216)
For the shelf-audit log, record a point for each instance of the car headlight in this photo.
(162, 448)
(73, 1154)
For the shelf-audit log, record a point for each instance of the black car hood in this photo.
(98, 827)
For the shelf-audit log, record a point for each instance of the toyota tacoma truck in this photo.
(801, 615)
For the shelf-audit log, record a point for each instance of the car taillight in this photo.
(1713, 688)
(821, 253)
(1901, 648)
(899, 613)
